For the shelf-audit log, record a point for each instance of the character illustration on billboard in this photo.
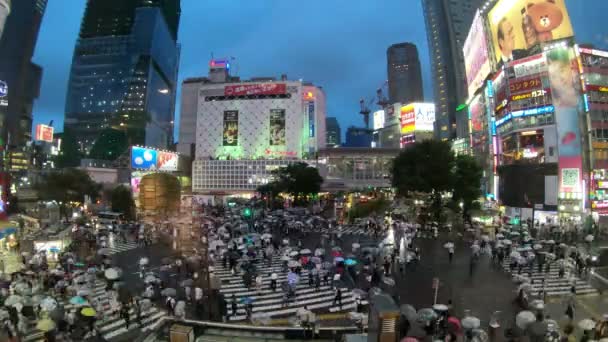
(277, 127)
(545, 17)
(231, 128)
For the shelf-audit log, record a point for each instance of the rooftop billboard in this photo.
(143, 158)
(476, 58)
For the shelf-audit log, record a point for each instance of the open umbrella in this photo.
(427, 314)
(355, 245)
(246, 300)
(77, 300)
(551, 242)
(448, 245)
(187, 282)
(88, 312)
(285, 258)
(319, 252)
(316, 260)
(589, 238)
(144, 261)
(12, 300)
(507, 242)
(527, 287)
(388, 281)
(440, 307)
(499, 236)
(103, 251)
(537, 304)
(350, 262)
(409, 312)
(292, 263)
(305, 251)
(586, 324)
(45, 325)
(112, 273)
(524, 318)
(294, 253)
(515, 255)
(470, 322)
(168, 292)
(48, 304)
(359, 293)
(83, 292)
(537, 246)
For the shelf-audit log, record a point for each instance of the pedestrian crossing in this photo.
(119, 247)
(273, 304)
(346, 230)
(109, 324)
(554, 285)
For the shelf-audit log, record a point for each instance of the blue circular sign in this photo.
(3, 89)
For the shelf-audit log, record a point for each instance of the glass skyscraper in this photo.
(124, 72)
(447, 26)
(19, 78)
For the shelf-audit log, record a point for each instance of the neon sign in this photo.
(525, 112)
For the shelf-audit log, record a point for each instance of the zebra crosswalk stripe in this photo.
(118, 247)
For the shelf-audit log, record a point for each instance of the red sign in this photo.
(593, 87)
(44, 133)
(281, 153)
(255, 89)
(522, 86)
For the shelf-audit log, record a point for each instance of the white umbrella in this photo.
(48, 304)
(499, 236)
(143, 261)
(266, 236)
(285, 258)
(525, 287)
(537, 304)
(485, 237)
(470, 322)
(507, 242)
(514, 255)
(12, 300)
(319, 251)
(294, 253)
(524, 318)
(356, 245)
(551, 242)
(305, 251)
(537, 246)
(448, 245)
(112, 273)
(589, 238)
(293, 263)
(586, 324)
(515, 233)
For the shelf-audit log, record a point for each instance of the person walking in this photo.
(273, 281)
(451, 252)
(124, 314)
(317, 283)
(338, 297)
(233, 306)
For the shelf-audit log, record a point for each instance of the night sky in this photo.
(341, 47)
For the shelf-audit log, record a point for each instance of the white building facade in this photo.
(244, 130)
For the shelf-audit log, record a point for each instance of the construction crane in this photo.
(379, 99)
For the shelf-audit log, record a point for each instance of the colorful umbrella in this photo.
(350, 262)
(45, 325)
(88, 312)
(77, 300)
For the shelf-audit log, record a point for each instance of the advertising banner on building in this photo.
(277, 127)
(44, 133)
(563, 77)
(425, 116)
(231, 128)
(311, 119)
(517, 26)
(143, 158)
(476, 58)
(408, 119)
(378, 119)
(255, 89)
(477, 114)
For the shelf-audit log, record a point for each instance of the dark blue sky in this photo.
(337, 44)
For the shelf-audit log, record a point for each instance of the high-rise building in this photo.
(124, 72)
(5, 10)
(19, 78)
(447, 26)
(404, 74)
(334, 135)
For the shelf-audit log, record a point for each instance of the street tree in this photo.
(122, 201)
(67, 186)
(425, 167)
(466, 177)
(298, 180)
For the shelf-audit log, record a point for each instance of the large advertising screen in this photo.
(379, 118)
(477, 114)
(476, 58)
(255, 89)
(143, 158)
(277, 127)
(408, 119)
(517, 26)
(230, 136)
(44, 133)
(563, 79)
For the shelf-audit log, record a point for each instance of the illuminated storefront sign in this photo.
(525, 85)
(529, 95)
(593, 87)
(525, 112)
(378, 119)
(408, 119)
(255, 89)
(3, 93)
(44, 133)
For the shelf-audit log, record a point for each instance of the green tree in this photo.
(298, 180)
(122, 201)
(425, 167)
(467, 174)
(70, 154)
(65, 186)
(110, 144)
